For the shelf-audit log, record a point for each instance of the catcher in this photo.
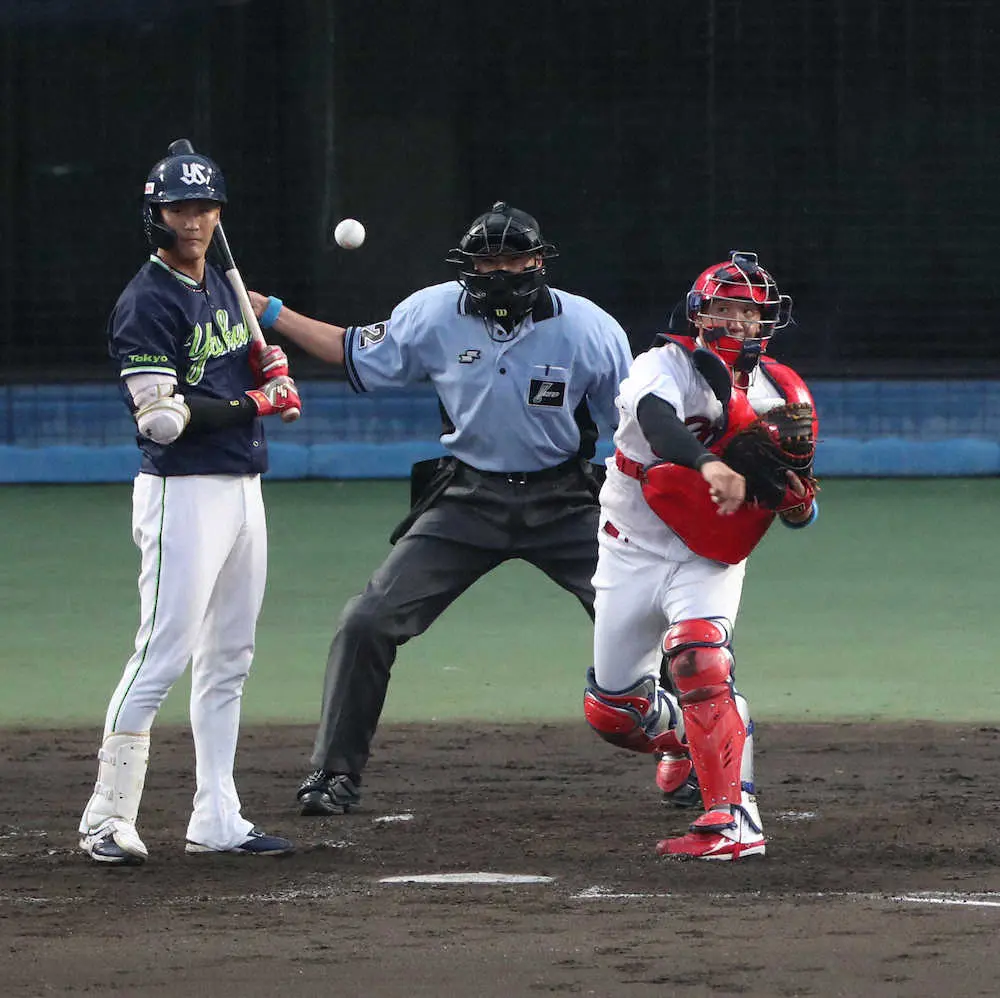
(715, 442)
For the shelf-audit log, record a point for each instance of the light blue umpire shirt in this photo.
(511, 398)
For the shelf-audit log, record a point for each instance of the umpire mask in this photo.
(504, 295)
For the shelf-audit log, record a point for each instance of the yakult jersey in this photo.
(164, 323)
(669, 373)
(511, 398)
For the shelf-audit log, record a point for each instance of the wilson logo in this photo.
(468, 356)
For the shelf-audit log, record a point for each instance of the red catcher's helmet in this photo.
(742, 278)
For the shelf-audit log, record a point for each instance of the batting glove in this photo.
(277, 396)
(267, 362)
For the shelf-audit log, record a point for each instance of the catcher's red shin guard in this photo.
(673, 770)
(642, 718)
(700, 664)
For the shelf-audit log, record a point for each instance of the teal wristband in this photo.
(813, 517)
(270, 314)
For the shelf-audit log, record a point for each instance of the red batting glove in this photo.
(277, 396)
(267, 362)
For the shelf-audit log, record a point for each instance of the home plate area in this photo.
(514, 860)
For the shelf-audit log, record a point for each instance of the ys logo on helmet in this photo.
(194, 173)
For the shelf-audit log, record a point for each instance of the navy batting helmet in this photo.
(189, 177)
(502, 231)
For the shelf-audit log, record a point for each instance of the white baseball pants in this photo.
(640, 593)
(203, 541)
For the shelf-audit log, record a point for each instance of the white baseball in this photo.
(349, 233)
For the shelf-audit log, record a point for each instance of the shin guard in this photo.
(121, 776)
(643, 718)
(673, 771)
(700, 665)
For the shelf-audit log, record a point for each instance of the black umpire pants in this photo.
(548, 519)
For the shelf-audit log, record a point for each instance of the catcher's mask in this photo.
(742, 279)
(501, 232)
(178, 178)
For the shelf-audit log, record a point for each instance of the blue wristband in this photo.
(813, 517)
(270, 314)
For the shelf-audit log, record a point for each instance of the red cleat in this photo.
(726, 834)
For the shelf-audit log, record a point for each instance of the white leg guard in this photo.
(748, 789)
(113, 808)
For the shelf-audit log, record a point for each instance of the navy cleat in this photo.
(116, 843)
(257, 843)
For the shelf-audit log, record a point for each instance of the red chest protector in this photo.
(680, 496)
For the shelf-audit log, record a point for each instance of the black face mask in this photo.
(749, 356)
(502, 295)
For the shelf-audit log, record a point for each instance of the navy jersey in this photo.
(165, 323)
(514, 401)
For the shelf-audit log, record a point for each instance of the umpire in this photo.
(517, 366)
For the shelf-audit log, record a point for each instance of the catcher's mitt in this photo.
(775, 443)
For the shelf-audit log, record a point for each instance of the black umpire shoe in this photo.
(323, 793)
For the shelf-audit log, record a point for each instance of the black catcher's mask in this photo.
(502, 231)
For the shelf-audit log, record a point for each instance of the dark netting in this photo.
(850, 144)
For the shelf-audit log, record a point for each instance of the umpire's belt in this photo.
(525, 477)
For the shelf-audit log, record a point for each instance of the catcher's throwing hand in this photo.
(728, 488)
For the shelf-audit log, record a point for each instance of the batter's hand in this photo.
(279, 396)
(267, 362)
(728, 488)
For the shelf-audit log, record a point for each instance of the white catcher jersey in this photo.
(669, 373)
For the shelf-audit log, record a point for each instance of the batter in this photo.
(197, 387)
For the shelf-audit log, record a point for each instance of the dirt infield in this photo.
(882, 875)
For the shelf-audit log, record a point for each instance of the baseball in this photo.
(349, 233)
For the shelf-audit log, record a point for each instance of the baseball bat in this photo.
(182, 147)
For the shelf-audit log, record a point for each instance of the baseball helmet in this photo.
(739, 279)
(189, 177)
(502, 231)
